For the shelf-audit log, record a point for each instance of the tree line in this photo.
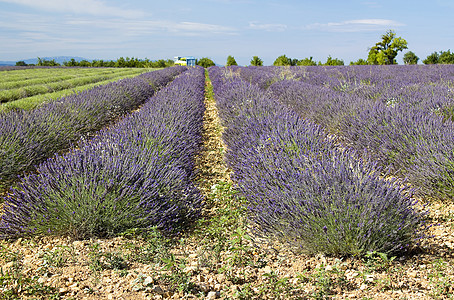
(383, 52)
(119, 63)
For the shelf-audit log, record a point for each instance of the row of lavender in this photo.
(136, 174)
(429, 88)
(300, 187)
(413, 135)
(29, 137)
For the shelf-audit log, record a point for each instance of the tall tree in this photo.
(446, 57)
(285, 61)
(205, 62)
(21, 63)
(231, 61)
(256, 61)
(410, 58)
(359, 62)
(385, 51)
(333, 62)
(306, 62)
(432, 59)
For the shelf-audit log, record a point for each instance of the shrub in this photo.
(136, 174)
(302, 189)
(29, 137)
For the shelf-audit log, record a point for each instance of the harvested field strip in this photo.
(37, 73)
(63, 74)
(34, 101)
(43, 88)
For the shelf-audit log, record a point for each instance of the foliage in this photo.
(285, 61)
(122, 62)
(32, 102)
(29, 137)
(262, 79)
(205, 62)
(385, 51)
(410, 142)
(444, 57)
(134, 175)
(333, 62)
(19, 89)
(256, 61)
(47, 63)
(303, 190)
(400, 116)
(359, 62)
(231, 61)
(410, 58)
(432, 59)
(306, 62)
(21, 63)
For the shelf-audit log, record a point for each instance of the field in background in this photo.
(26, 89)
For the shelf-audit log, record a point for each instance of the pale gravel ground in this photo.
(427, 274)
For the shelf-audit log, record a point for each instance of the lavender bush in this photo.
(335, 204)
(402, 116)
(301, 188)
(137, 174)
(413, 143)
(29, 137)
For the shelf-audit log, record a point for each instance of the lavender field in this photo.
(235, 183)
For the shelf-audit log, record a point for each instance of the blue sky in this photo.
(101, 29)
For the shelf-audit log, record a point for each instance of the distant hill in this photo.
(58, 59)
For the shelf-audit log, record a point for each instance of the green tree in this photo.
(256, 61)
(306, 62)
(205, 62)
(359, 62)
(160, 63)
(432, 59)
(385, 51)
(333, 62)
(231, 61)
(120, 63)
(21, 63)
(283, 61)
(410, 58)
(84, 63)
(98, 63)
(446, 57)
(47, 63)
(71, 63)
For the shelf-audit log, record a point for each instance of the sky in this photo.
(101, 29)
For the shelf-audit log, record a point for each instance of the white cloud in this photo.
(267, 27)
(200, 28)
(90, 7)
(355, 25)
(143, 27)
